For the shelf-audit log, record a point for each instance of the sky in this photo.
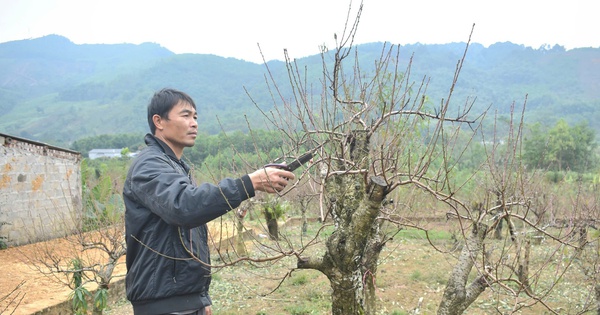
(237, 28)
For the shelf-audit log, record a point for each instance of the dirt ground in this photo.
(26, 290)
(31, 290)
(27, 287)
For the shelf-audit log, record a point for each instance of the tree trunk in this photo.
(240, 246)
(304, 222)
(273, 229)
(272, 225)
(354, 295)
(457, 296)
(498, 229)
(523, 261)
(352, 281)
(597, 292)
(303, 205)
(350, 261)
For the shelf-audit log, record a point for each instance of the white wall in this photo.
(40, 191)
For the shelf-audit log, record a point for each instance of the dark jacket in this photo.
(165, 220)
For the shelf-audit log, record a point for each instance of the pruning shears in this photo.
(295, 164)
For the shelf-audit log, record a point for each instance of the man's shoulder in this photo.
(149, 153)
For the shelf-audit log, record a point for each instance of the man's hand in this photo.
(270, 179)
(208, 310)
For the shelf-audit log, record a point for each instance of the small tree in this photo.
(273, 209)
(91, 253)
(240, 245)
(304, 199)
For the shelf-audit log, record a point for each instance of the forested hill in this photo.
(55, 91)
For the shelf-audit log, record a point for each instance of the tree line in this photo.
(232, 150)
(557, 148)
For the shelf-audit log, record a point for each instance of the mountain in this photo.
(55, 91)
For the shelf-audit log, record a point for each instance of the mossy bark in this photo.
(350, 261)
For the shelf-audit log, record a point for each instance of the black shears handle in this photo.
(295, 164)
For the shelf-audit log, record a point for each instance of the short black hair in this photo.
(163, 101)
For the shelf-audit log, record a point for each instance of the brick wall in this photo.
(40, 191)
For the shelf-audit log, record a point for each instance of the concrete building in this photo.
(40, 191)
(108, 153)
(104, 153)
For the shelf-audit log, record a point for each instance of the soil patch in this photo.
(31, 290)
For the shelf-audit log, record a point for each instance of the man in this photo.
(168, 263)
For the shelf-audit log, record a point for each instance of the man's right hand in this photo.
(271, 179)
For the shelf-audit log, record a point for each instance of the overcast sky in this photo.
(233, 28)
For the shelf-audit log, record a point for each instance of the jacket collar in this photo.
(151, 140)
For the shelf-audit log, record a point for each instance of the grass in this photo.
(422, 235)
(247, 289)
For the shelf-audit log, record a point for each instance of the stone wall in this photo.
(40, 191)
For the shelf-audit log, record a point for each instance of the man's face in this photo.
(180, 129)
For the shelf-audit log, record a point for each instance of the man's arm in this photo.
(172, 196)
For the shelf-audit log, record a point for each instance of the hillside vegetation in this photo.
(55, 91)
